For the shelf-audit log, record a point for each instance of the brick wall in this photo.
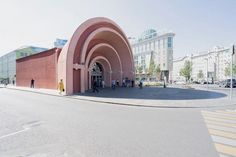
(41, 67)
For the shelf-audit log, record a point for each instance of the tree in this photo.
(200, 74)
(140, 69)
(227, 70)
(158, 71)
(152, 67)
(186, 70)
(136, 69)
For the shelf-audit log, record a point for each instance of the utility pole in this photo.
(206, 59)
(231, 73)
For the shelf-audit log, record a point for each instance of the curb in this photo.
(121, 104)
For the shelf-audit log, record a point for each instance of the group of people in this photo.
(128, 83)
(115, 83)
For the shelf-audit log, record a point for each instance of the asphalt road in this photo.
(36, 125)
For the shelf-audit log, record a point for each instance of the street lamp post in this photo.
(231, 73)
(207, 73)
(207, 69)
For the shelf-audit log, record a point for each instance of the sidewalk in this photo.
(147, 97)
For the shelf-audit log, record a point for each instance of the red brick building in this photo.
(98, 50)
(41, 67)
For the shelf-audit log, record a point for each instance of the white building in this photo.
(156, 46)
(8, 62)
(212, 62)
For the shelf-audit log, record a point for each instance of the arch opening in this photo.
(98, 41)
(104, 72)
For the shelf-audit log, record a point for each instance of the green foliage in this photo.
(227, 70)
(152, 67)
(200, 74)
(140, 70)
(186, 70)
(152, 84)
(157, 70)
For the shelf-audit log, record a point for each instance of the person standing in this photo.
(141, 84)
(117, 83)
(103, 84)
(95, 85)
(123, 83)
(113, 84)
(61, 87)
(32, 83)
(132, 82)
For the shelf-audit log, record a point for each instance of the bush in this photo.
(152, 84)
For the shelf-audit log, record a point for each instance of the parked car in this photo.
(227, 83)
(222, 83)
(196, 82)
(205, 82)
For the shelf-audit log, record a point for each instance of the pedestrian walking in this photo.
(32, 83)
(113, 84)
(140, 84)
(123, 83)
(95, 86)
(61, 86)
(128, 83)
(117, 83)
(132, 82)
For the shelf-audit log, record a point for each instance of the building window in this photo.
(169, 42)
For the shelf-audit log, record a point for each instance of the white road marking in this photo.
(222, 128)
(219, 119)
(218, 114)
(231, 110)
(14, 133)
(224, 140)
(26, 127)
(221, 155)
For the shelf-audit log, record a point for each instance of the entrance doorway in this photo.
(97, 74)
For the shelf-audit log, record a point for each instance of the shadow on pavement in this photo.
(155, 93)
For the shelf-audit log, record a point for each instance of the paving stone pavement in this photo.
(150, 96)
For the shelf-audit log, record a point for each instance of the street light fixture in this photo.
(207, 67)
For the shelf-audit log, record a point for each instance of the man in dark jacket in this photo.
(95, 86)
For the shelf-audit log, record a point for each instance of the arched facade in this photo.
(98, 40)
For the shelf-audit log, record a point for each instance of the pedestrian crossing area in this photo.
(221, 125)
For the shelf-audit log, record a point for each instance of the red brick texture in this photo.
(41, 67)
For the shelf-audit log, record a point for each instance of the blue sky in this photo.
(198, 25)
